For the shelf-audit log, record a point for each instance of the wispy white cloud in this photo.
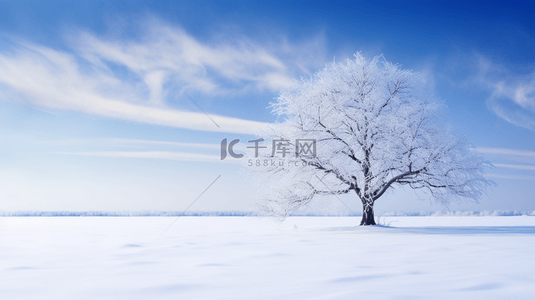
(512, 95)
(519, 167)
(130, 78)
(117, 142)
(166, 52)
(505, 151)
(514, 177)
(511, 158)
(164, 143)
(171, 155)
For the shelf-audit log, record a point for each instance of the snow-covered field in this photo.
(254, 258)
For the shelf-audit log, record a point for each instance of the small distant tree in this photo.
(375, 129)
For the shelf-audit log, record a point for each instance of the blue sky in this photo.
(95, 113)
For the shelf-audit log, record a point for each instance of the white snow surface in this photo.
(257, 258)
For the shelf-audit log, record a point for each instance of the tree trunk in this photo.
(367, 215)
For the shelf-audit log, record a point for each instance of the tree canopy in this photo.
(375, 128)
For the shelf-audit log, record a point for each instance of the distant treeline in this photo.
(145, 213)
(151, 213)
(459, 213)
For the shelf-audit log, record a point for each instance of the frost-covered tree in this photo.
(375, 129)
